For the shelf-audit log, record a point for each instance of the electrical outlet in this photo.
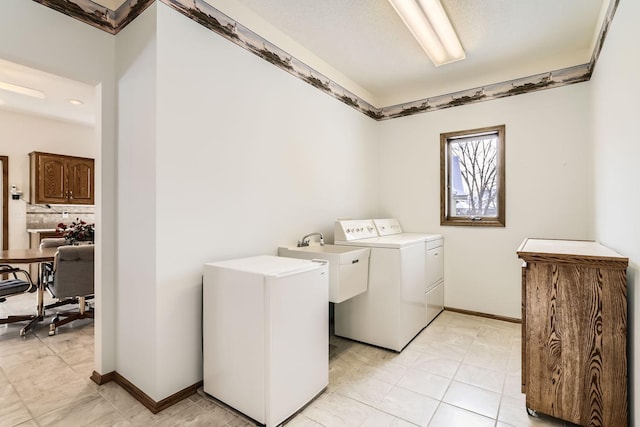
(65, 214)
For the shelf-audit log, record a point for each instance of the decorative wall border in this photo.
(97, 15)
(558, 78)
(211, 18)
(547, 80)
(216, 21)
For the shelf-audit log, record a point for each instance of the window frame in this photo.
(486, 221)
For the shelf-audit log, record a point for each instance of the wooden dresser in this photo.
(574, 331)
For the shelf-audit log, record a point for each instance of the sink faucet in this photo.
(305, 240)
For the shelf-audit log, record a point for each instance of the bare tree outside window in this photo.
(472, 175)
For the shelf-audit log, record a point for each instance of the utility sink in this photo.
(348, 267)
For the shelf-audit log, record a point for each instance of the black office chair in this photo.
(13, 286)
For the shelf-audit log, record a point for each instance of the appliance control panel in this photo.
(387, 226)
(354, 229)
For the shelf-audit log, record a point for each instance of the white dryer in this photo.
(392, 311)
(434, 284)
(434, 294)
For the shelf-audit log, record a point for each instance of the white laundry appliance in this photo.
(434, 295)
(265, 334)
(434, 274)
(392, 311)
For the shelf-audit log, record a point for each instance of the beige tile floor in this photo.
(460, 371)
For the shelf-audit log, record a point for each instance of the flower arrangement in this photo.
(78, 231)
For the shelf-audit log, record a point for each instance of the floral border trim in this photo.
(558, 78)
(216, 21)
(611, 11)
(97, 15)
(211, 18)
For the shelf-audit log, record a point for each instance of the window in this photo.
(472, 177)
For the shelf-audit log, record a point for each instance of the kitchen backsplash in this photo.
(41, 217)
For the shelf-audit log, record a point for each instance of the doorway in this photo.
(63, 127)
(4, 200)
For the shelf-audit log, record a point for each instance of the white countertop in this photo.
(40, 230)
(567, 247)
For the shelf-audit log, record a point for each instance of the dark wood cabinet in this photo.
(60, 179)
(574, 331)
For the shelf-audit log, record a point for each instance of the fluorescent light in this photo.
(429, 24)
(22, 90)
(75, 101)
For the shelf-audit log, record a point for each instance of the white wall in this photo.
(548, 188)
(136, 251)
(47, 40)
(246, 158)
(239, 157)
(617, 165)
(25, 133)
(249, 19)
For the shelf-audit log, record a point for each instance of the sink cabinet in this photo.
(59, 179)
(348, 267)
(574, 331)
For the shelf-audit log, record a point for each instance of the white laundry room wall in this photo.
(548, 188)
(235, 157)
(617, 166)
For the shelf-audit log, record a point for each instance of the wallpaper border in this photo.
(211, 18)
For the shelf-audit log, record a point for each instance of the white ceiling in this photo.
(368, 43)
(503, 40)
(57, 90)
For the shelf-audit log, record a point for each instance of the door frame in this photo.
(5, 201)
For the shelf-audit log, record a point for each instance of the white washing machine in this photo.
(392, 311)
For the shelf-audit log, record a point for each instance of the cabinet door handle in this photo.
(70, 194)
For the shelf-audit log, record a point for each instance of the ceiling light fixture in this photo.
(22, 90)
(429, 24)
(75, 101)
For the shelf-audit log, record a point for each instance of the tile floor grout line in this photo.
(26, 407)
(470, 341)
(440, 402)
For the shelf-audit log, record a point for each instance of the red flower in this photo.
(78, 231)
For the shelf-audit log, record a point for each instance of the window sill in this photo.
(468, 222)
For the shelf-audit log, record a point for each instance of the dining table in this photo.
(31, 256)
